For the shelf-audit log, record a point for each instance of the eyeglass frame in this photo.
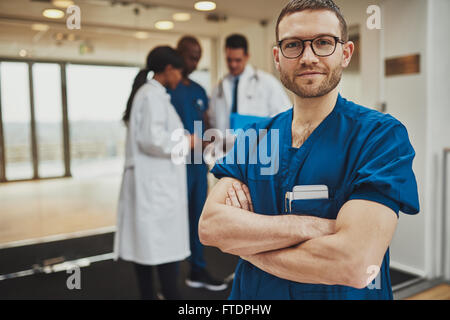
(337, 40)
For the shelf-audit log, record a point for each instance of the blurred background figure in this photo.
(245, 94)
(152, 223)
(191, 102)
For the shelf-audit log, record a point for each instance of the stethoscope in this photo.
(250, 95)
(200, 105)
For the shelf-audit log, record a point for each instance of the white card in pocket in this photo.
(305, 192)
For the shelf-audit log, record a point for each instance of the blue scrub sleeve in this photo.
(384, 171)
(234, 164)
(228, 167)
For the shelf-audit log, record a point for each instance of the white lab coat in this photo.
(152, 222)
(259, 94)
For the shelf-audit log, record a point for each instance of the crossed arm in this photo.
(299, 248)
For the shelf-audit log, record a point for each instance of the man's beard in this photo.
(304, 91)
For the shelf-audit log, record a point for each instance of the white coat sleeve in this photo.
(279, 100)
(152, 134)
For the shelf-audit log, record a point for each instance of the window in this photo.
(16, 117)
(48, 115)
(97, 97)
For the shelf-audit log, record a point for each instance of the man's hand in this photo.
(239, 196)
(228, 222)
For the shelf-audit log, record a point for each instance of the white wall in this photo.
(438, 137)
(405, 25)
(370, 64)
(421, 102)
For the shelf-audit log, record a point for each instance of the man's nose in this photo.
(308, 56)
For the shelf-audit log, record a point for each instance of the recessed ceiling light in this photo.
(39, 27)
(53, 13)
(164, 25)
(181, 16)
(59, 36)
(62, 3)
(205, 5)
(23, 53)
(71, 37)
(141, 35)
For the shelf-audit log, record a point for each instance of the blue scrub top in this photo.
(190, 102)
(357, 152)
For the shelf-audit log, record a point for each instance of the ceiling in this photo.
(144, 13)
(111, 25)
(247, 9)
(114, 23)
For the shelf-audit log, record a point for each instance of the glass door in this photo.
(16, 118)
(97, 96)
(48, 115)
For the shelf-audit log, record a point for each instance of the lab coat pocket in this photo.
(162, 200)
(322, 208)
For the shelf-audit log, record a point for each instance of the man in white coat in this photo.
(245, 91)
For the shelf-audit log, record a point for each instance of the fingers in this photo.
(249, 198)
(242, 197)
(239, 196)
(234, 199)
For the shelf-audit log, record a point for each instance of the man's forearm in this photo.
(323, 260)
(242, 232)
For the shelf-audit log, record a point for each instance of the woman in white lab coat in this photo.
(152, 226)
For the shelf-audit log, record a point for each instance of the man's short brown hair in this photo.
(301, 5)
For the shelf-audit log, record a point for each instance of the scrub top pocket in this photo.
(322, 208)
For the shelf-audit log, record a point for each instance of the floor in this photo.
(439, 292)
(37, 209)
(110, 280)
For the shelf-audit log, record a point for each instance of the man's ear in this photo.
(247, 57)
(276, 57)
(348, 49)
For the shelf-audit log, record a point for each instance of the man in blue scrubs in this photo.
(313, 246)
(191, 103)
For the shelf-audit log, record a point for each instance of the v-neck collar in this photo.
(316, 132)
(294, 158)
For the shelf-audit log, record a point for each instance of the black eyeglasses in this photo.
(322, 46)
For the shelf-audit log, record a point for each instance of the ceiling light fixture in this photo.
(53, 13)
(23, 53)
(181, 16)
(71, 37)
(59, 36)
(39, 27)
(141, 35)
(164, 25)
(62, 3)
(205, 5)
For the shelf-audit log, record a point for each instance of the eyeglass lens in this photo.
(322, 46)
